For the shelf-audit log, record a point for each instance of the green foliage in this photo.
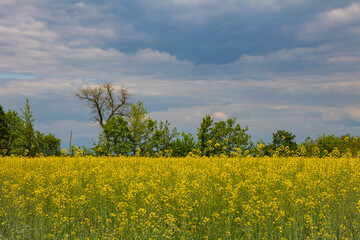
(118, 140)
(162, 137)
(223, 137)
(351, 144)
(105, 101)
(333, 146)
(141, 127)
(259, 150)
(230, 136)
(182, 147)
(205, 134)
(27, 138)
(283, 144)
(23, 139)
(48, 145)
(4, 132)
(308, 148)
(322, 146)
(76, 151)
(16, 126)
(138, 134)
(284, 138)
(327, 143)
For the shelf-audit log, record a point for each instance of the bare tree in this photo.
(106, 101)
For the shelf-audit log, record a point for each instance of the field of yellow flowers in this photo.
(179, 198)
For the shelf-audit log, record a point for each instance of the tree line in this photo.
(126, 129)
(18, 136)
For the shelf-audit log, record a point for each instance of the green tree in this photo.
(230, 136)
(284, 138)
(23, 138)
(327, 143)
(48, 145)
(16, 126)
(162, 137)
(205, 134)
(28, 139)
(119, 139)
(221, 137)
(4, 132)
(309, 145)
(350, 143)
(182, 147)
(283, 144)
(141, 127)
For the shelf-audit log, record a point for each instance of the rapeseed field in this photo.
(179, 198)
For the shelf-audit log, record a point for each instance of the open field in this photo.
(179, 198)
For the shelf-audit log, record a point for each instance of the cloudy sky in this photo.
(272, 64)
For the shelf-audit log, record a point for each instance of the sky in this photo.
(289, 65)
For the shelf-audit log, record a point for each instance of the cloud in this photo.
(232, 5)
(344, 59)
(346, 116)
(203, 12)
(154, 55)
(329, 58)
(254, 60)
(263, 119)
(335, 23)
(16, 76)
(284, 55)
(80, 4)
(342, 15)
(220, 115)
(40, 87)
(50, 40)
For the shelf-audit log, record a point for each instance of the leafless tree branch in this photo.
(105, 101)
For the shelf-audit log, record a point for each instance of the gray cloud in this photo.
(334, 24)
(216, 59)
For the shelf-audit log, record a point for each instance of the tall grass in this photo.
(179, 198)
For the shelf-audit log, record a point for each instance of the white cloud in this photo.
(46, 39)
(40, 87)
(188, 119)
(344, 59)
(192, 2)
(342, 15)
(80, 4)
(341, 114)
(4, 2)
(200, 12)
(333, 23)
(154, 55)
(220, 115)
(263, 119)
(285, 55)
(66, 45)
(231, 5)
(354, 113)
(331, 115)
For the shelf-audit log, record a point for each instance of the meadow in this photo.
(86, 197)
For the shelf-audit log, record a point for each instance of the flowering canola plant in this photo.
(86, 197)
